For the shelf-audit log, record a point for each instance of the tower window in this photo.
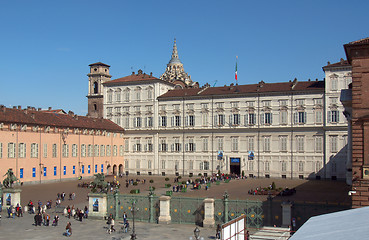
(96, 87)
(95, 69)
(95, 107)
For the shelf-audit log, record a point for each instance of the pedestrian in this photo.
(219, 229)
(69, 229)
(56, 220)
(247, 235)
(124, 217)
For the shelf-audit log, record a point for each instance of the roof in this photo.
(245, 89)
(99, 64)
(46, 118)
(361, 41)
(342, 63)
(348, 224)
(133, 78)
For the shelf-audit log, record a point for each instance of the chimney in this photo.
(50, 108)
(133, 73)
(70, 113)
(28, 107)
(2, 108)
(150, 74)
(14, 107)
(19, 107)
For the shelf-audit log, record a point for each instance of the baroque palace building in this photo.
(293, 129)
(51, 145)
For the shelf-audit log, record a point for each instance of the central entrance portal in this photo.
(235, 166)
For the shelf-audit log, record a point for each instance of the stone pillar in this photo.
(151, 208)
(225, 200)
(11, 196)
(209, 220)
(286, 214)
(97, 205)
(165, 210)
(117, 204)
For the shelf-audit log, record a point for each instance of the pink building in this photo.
(51, 145)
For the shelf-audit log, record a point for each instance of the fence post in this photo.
(116, 197)
(165, 210)
(225, 199)
(270, 210)
(209, 220)
(286, 214)
(151, 195)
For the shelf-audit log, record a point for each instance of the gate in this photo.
(252, 209)
(219, 211)
(123, 203)
(187, 210)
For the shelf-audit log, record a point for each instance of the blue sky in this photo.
(46, 46)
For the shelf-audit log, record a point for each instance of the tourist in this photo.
(69, 229)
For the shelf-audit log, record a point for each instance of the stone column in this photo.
(117, 204)
(151, 207)
(165, 210)
(286, 214)
(11, 196)
(209, 220)
(97, 205)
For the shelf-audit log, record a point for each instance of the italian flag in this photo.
(235, 74)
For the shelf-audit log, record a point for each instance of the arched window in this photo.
(138, 94)
(95, 107)
(149, 93)
(96, 87)
(110, 96)
(126, 95)
(117, 95)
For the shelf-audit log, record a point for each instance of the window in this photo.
(333, 116)
(64, 170)
(96, 150)
(108, 150)
(266, 103)
(333, 100)
(333, 144)
(283, 103)
(138, 164)
(190, 146)
(55, 171)
(21, 173)
(177, 121)
(74, 150)
(318, 166)
(300, 102)
(334, 83)
(266, 143)
(149, 93)
(206, 165)
(34, 150)
(300, 117)
(34, 172)
(163, 145)
(301, 166)
(204, 106)
(102, 168)
(190, 165)
(117, 95)
(234, 104)
(205, 143)
(89, 150)
(250, 104)
(318, 101)
(162, 108)
(126, 164)
(220, 144)
(89, 169)
(83, 150)
(163, 121)
(149, 121)
(205, 118)
(219, 105)
(176, 147)
(283, 115)
(318, 116)
(126, 95)
(283, 143)
(126, 145)
(138, 94)
(95, 168)
(115, 150)
(55, 153)
(149, 145)
(191, 120)
(234, 143)
(266, 118)
(137, 146)
(267, 166)
(102, 151)
(318, 143)
(250, 142)
(284, 166)
(121, 149)
(236, 119)
(74, 170)
(149, 164)
(162, 164)
(110, 96)
(137, 122)
(219, 120)
(45, 150)
(1, 150)
(251, 166)
(22, 150)
(45, 171)
(252, 118)
(190, 106)
(83, 169)
(300, 143)
(65, 150)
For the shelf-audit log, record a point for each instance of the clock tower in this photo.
(99, 73)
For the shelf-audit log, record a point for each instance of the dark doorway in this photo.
(235, 166)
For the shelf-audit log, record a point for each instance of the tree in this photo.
(10, 179)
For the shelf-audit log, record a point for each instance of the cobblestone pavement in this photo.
(23, 228)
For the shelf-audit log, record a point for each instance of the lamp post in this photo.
(133, 235)
(196, 232)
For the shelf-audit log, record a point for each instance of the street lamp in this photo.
(133, 235)
(196, 232)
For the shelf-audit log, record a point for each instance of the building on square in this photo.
(292, 129)
(51, 145)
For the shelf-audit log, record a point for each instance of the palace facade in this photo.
(293, 129)
(51, 145)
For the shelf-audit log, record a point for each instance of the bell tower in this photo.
(99, 73)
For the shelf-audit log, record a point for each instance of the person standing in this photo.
(124, 217)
